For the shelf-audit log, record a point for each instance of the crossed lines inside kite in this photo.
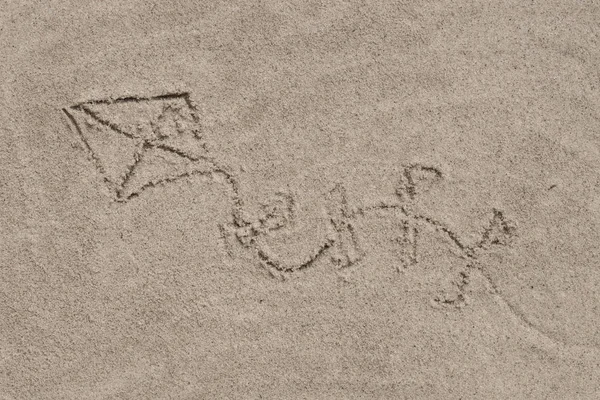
(139, 142)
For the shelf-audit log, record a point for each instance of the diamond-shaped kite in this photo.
(138, 142)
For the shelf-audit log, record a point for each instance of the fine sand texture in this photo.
(283, 199)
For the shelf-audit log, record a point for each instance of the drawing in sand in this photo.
(142, 142)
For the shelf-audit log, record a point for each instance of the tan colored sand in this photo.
(300, 200)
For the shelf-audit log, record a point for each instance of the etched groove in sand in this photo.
(343, 244)
(140, 143)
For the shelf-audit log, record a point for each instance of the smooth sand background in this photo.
(144, 299)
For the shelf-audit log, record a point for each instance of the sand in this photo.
(300, 200)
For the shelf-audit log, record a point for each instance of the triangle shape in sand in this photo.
(158, 166)
(132, 118)
(137, 117)
(113, 153)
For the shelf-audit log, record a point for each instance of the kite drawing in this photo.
(142, 142)
(138, 142)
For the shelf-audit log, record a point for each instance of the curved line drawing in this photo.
(342, 244)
